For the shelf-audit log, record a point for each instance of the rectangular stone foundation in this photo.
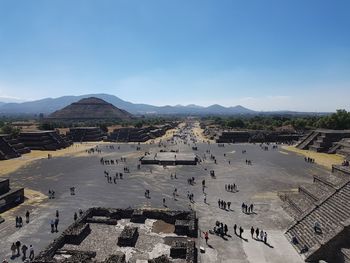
(128, 237)
(77, 234)
(138, 217)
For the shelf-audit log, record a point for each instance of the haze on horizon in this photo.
(263, 55)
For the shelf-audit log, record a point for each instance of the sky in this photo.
(264, 55)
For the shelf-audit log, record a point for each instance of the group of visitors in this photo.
(190, 196)
(247, 209)
(260, 234)
(241, 230)
(309, 160)
(173, 176)
(51, 194)
(231, 187)
(19, 220)
(114, 179)
(16, 249)
(191, 181)
(248, 162)
(220, 228)
(223, 204)
(345, 163)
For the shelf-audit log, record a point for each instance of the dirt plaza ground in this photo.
(271, 171)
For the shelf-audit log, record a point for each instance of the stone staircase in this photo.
(322, 140)
(11, 148)
(304, 143)
(6, 151)
(328, 201)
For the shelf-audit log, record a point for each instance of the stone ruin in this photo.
(182, 248)
(9, 197)
(10, 147)
(85, 134)
(326, 204)
(44, 140)
(322, 140)
(139, 134)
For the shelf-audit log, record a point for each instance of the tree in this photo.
(8, 129)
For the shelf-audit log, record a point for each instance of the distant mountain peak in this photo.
(50, 105)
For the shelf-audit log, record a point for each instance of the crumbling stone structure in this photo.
(80, 229)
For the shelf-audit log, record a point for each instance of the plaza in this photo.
(271, 172)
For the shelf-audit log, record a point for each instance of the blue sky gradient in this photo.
(265, 55)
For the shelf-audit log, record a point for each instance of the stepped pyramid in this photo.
(90, 108)
(327, 202)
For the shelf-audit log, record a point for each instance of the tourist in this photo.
(57, 214)
(56, 224)
(52, 224)
(206, 236)
(75, 216)
(261, 234)
(31, 252)
(20, 221)
(17, 221)
(13, 249)
(24, 251)
(235, 228)
(27, 217)
(18, 246)
(252, 231)
(257, 231)
(240, 231)
(265, 237)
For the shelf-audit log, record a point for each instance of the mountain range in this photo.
(50, 105)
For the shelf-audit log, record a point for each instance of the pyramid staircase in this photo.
(326, 201)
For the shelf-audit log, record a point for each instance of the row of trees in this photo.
(338, 121)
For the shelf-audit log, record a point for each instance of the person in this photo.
(75, 216)
(164, 201)
(17, 221)
(257, 231)
(240, 231)
(225, 229)
(20, 221)
(52, 223)
(57, 214)
(56, 223)
(205, 199)
(24, 251)
(261, 234)
(235, 228)
(31, 252)
(27, 217)
(18, 246)
(206, 236)
(265, 237)
(13, 249)
(252, 231)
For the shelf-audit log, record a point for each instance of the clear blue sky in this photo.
(265, 55)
